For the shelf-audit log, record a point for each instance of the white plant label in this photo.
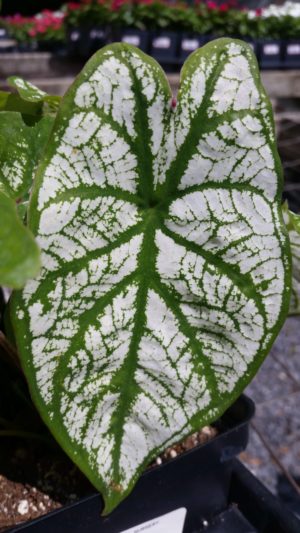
(169, 523)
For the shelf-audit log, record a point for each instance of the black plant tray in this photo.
(198, 480)
(265, 512)
(251, 508)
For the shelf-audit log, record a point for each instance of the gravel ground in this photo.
(276, 392)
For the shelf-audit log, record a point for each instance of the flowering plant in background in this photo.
(154, 14)
(48, 26)
(88, 13)
(288, 9)
(276, 22)
(45, 26)
(224, 19)
(204, 17)
(18, 26)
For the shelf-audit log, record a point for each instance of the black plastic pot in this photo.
(97, 37)
(198, 481)
(138, 38)
(265, 512)
(270, 54)
(189, 42)
(7, 43)
(83, 42)
(164, 47)
(76, 37)
(291, 53)
(28, 47)
(55, 47)
(251, 508)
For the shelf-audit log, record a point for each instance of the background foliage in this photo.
(223, 19)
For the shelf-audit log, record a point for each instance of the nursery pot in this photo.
(53, 46)
(7, 43)
(138, 38)
(291, 53)
(164, 46)
(97, 38)
(189, 42)
(189, 489)
(270, 54)
(82, 42)
(75, 39)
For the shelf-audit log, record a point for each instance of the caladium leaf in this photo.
(31, 93)
(30, 111)
(21, 147)
(27, 90)
(25, 125)
(166, 271)
(293, 225)
(19, 253)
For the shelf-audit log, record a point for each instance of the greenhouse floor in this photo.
(273, 453)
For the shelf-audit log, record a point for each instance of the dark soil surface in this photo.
(38, 478)
(35, 479)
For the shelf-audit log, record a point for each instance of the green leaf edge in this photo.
(114, 499)
(292, 223)
(29, 266)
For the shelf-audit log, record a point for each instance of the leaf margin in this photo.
(252, 368)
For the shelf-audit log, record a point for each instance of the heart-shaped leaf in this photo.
(166, 272)
(293, 225)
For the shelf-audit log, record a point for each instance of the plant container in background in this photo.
(7, 43)
(53, 46)
(82, 42)
(270, 54)
(97, 37)
(164, 46)
(291, 53)
(139, 38)
(76, 37)
(189, 42)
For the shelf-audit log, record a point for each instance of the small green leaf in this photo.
(293, 225)
(19, 254)
(27, 90)
(166, 267)
(21, 147)
(30, 93)
(30, 111)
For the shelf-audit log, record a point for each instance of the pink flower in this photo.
(116, 4)
(73, 6)
(211, 4)
(224, 7)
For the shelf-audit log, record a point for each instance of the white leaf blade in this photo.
(155, 305)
